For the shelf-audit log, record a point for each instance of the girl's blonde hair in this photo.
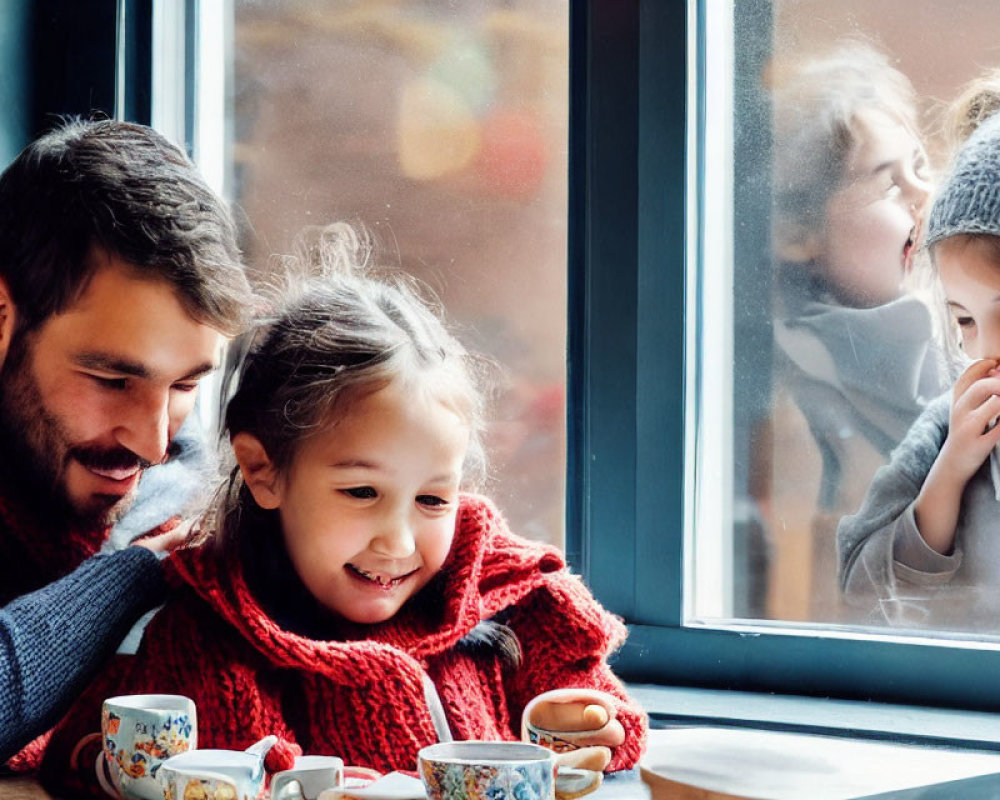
(977, 102)
(338, 328)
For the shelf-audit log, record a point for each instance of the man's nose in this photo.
(146, 428)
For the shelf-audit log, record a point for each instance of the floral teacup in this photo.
(491, 770)
(139, 732)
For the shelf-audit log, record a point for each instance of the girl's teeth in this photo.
(375, 578)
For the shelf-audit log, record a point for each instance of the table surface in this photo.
(21, 789)
(626, 786)
(781, 765)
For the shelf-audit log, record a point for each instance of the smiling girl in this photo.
(924, 550)
(356, 600)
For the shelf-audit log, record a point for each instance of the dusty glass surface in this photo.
(824, 333)
(442, 128)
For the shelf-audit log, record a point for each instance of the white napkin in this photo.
(394, 786)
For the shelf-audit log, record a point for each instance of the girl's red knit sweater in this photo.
(364, 699)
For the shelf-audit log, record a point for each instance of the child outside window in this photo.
(354, 600)
(923, 549)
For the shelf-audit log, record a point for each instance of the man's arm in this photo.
(54, 640)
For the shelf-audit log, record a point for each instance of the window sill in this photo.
(670, 706)
(778, 746)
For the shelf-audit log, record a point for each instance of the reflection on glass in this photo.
(841, 336)
(442, 127)
(855, 358)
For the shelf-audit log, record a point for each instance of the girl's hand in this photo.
(575, 711)
(972, 434)
(975, 405)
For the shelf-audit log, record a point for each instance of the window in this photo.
(683, 345)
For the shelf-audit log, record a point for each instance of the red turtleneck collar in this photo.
(487, 570)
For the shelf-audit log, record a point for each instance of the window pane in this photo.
(442, 128)
(822, 326)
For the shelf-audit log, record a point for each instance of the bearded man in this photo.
(120, 282)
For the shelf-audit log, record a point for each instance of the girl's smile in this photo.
(381, 580)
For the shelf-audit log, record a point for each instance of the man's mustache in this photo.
(116, 457)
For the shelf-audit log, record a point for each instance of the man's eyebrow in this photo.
(200, 371)
(135, 369)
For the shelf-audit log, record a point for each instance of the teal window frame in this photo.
(626, 418)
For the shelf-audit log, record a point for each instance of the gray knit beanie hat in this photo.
(969, 199)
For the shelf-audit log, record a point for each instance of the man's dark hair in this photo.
(124, 189)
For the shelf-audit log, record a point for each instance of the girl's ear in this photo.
(796, 244)
(8, 318)
(259, 472)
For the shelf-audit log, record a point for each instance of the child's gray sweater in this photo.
(889, 572)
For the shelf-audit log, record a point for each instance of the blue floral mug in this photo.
(499, 771)
(139, 732)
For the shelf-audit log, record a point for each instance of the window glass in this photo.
(13, 56)
(442, 128)
(822, 331)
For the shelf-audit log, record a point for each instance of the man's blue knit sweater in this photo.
(52, 641)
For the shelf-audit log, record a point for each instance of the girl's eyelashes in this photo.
(893, 190)
(964, 322)
(369, 493)
(361, 492)
(893, 186)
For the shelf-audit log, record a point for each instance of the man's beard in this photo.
(35, 451)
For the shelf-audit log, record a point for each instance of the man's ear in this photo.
(259, 472)
(8, 320)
